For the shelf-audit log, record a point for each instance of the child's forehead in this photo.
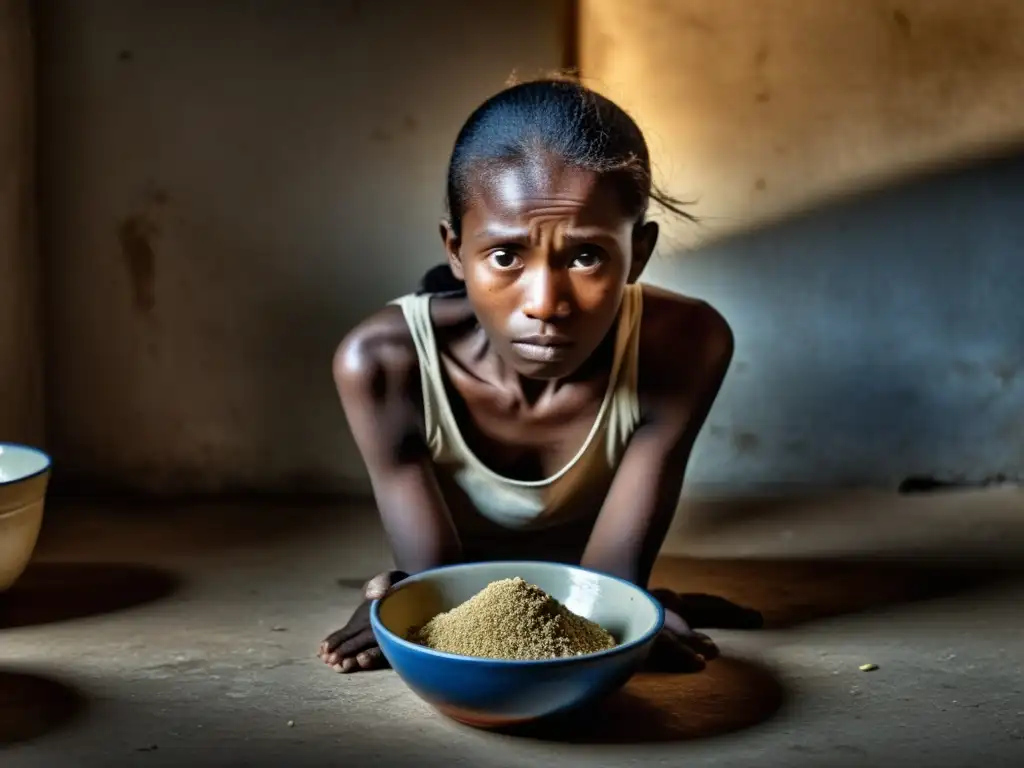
(512, 194)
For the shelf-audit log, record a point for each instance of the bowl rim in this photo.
(47, 461)
(32, 506)
(622, 648)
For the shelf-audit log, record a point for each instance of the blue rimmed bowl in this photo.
(24, 477)
(492, 693)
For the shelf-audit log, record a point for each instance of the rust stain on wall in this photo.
(761, 56)
(409, 124)
(902, 22)
(1005, 372)
(746, 442)
(136, 235)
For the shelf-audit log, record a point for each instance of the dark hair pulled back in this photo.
(555, 116)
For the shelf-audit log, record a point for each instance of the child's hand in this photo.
(679, 648)
(354, 647)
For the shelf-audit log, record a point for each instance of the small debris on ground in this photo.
(279, 629)
(152, 748)
(291, 723)
(868, 667)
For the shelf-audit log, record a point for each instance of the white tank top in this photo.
(575, 491)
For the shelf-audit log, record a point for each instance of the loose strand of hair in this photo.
(674, 205)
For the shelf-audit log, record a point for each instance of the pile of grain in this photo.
(511, 619)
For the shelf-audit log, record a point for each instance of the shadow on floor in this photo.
(729, 695)
(189, 526)
(52, 592)
(32, 706)
(792, 592)
(732, 694)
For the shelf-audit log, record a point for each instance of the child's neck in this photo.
(536, 393)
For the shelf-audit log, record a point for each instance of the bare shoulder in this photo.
(678, 329)
(686, 346)
(375, 356)
(378, 359)
(377, 373)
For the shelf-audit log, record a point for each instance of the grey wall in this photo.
(876, 339)
(879, 337)
(230, 187)
(21, 317)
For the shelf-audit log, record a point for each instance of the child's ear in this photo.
(645, 237)
(451, 248)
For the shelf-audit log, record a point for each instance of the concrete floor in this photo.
(184, 634)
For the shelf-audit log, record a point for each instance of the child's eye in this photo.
(504, 259)
(586, 260)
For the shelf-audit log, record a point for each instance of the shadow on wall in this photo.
(198, 286)
(877, 338)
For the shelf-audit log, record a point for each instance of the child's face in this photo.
(546, 251)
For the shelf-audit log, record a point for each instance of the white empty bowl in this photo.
(24, 476)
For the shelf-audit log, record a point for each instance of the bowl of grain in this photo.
(499, 644)
(24, 477)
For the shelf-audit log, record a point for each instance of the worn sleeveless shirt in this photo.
(574, 492)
